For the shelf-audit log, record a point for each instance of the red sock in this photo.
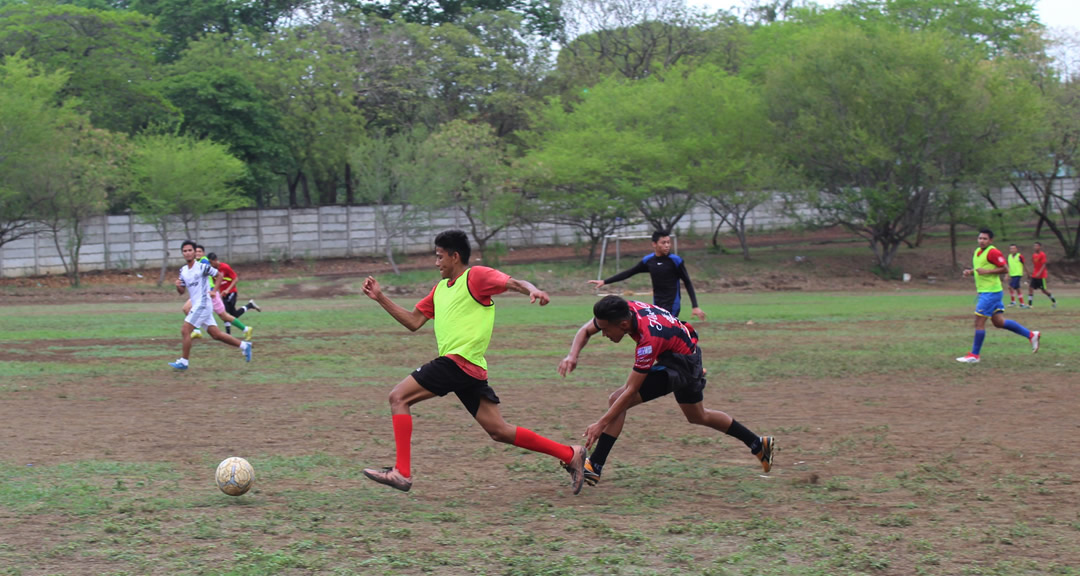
(529, 440)
(1021, 299)
(403, 441)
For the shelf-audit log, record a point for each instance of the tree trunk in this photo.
(740, 231)
(716, 238)
(350, 191)
(306, 189)
(293, 182)
(56, 242)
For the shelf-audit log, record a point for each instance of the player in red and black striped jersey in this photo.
(667, 360)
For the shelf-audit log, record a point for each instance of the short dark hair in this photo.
(200, 247)
(211, 256)
(612, 309)
(455, 241)
(1037, 243)
(1011, 245)
(988, 232)
(189, 243)
(656, 236)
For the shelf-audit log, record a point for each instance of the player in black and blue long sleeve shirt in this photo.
(667, 270)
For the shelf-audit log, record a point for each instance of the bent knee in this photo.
(696, 419)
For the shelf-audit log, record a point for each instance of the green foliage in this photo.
(179, 177)
(33, 117)
(108, 55)
(540, 16)
(74, 183)
(996, 27)
(472, 175)
(216, 87)
(390, 175)
(876, 130)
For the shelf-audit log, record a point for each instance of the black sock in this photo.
(600, 453)
(739, 431)
(240, 311)
(1052, 298)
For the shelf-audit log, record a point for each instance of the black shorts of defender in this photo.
(230, 303)
(442, 376)
(1038, 284)
(1014, 282)
(680, 374)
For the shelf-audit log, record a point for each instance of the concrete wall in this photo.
(122, 242)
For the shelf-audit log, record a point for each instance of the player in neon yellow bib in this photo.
(988, 265)
(1016, 274)
(464, 315)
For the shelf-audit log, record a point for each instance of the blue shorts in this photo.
(988, 304)
(1014, 282)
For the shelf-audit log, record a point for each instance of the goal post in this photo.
(618, 238)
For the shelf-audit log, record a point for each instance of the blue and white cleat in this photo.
(178, 365)
(247, 352)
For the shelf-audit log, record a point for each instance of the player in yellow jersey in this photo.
(464, 315)
(988, 265)
(1016, 274)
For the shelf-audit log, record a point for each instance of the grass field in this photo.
(894, 459)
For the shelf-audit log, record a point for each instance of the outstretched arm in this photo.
(525, 287)
(412, 320)
(685, 275)
(580, 340)
(637, 269)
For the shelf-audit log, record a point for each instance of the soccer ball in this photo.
(235, 476)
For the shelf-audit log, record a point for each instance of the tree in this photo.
(473, 177)
(997, 27)
(181, 178)
(1039, 183)
(308, 87)
(108, 55)
(74, 183)
(631, 38)
(33, 117)
(867, 112)
(541, 17)
(184, 21)
(215, 86)
(391, 176)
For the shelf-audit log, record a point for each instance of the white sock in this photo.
(182, 361)
(245, 346)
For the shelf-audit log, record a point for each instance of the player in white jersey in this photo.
(195, 280)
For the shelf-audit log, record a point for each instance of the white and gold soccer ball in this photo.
(235, 476)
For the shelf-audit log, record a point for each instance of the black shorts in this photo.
(442, 376)
(230, 303)
(1014, 282)
(678, 373)
(1038, 284)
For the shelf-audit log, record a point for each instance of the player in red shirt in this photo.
(227, 287)
(1038, 276)
(667, 360)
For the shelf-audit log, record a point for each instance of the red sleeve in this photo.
(486, 282)
(426, 305)
(996, 258)
(644, 356)
(1022, 259)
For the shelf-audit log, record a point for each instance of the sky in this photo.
(1052, 13)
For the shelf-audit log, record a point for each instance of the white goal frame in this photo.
(618, 238)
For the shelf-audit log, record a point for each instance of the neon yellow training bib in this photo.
(462, 325)
(1016, 267)
(985, 282)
